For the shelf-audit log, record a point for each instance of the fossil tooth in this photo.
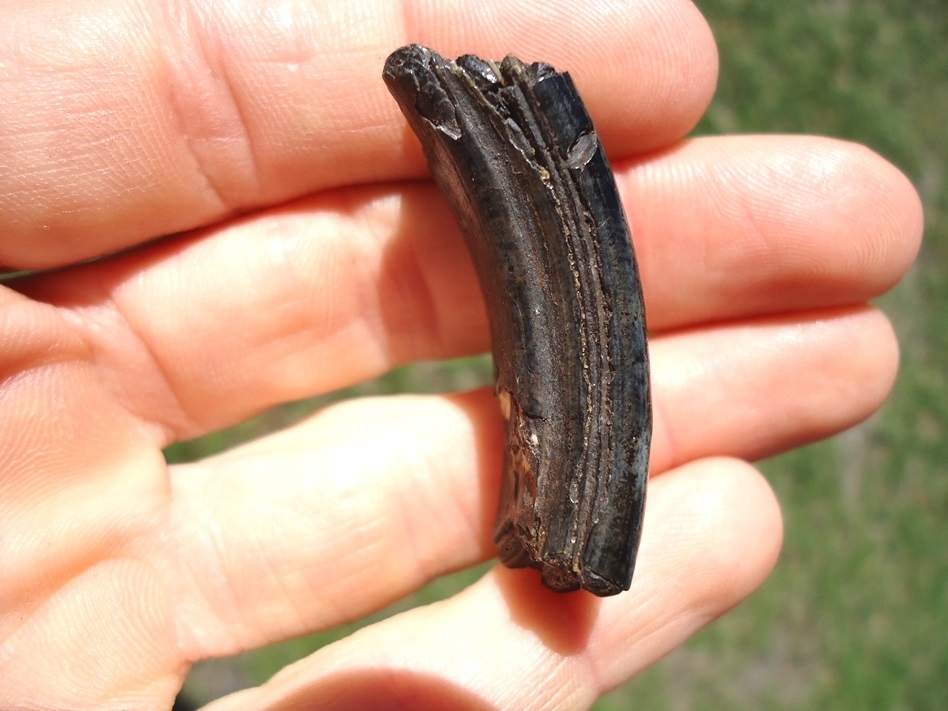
(515, 153)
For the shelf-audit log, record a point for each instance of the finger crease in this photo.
(207, 109)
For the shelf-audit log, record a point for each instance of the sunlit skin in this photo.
(309, 251)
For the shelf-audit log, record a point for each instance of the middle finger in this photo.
(349, 284)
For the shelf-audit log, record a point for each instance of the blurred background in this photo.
(856, 614)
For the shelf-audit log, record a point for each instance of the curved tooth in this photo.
(514, 151)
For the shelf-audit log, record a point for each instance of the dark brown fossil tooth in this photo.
(516, 155)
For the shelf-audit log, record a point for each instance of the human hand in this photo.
(125, 122)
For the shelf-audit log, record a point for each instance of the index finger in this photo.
(125, 120)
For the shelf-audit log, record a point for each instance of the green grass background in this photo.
(856, 614)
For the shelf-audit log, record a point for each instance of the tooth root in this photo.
(514, 152)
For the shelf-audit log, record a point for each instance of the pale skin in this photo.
(309, 252)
